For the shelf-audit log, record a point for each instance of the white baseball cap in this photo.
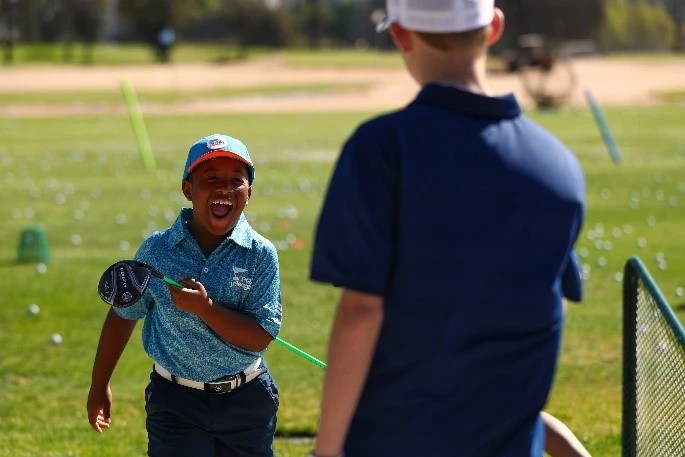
(438, 16)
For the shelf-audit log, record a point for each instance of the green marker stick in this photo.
(608, 138)
(139, 130)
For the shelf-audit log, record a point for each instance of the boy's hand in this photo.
(98, 406)
(192, 298)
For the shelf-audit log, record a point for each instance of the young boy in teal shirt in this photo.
(210, 391)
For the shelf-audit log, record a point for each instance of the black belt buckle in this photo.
(227, 385)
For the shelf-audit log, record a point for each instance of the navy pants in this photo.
(186, 422)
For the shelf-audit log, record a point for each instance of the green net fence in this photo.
(653, 369)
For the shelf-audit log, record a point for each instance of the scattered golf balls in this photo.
(34, 309)
(56, 339)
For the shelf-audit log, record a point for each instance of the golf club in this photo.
(124, 283)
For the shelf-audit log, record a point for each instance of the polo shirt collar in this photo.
(455, 98)
(241, 234)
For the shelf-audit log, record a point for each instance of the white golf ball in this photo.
(34, 309)
(41, 268)
(56, 338)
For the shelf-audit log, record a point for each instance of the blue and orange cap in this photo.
(217, 145)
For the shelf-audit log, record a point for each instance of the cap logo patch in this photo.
(216, 143)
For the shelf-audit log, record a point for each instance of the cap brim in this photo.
(383, 25)
(214, 155)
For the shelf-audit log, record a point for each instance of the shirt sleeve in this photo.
(354, 238)
(572, 279)
(264, 300)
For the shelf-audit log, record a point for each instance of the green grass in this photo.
(676, 96)
(342, 58)
(136, 54)
(114, 96)
(127, 53)
(81, 178)
(648, 56)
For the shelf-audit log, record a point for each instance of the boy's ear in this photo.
(401, 37)
(496, 27)
(186, 189)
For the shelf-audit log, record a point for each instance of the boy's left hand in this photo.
(192, 298)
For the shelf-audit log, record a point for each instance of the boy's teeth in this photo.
(222, 202)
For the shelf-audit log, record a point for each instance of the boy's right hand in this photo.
(98, 407)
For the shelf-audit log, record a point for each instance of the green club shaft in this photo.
(172, 282)
(301, 353)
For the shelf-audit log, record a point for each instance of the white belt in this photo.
(223, 385)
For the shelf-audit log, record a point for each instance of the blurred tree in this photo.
(149, 18)
(555, 20)
(676, 9)
(251, 23)
(8, 29)
(635, 25)
(313, 22)
(80, 20)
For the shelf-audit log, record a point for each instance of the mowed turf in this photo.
(81, 179)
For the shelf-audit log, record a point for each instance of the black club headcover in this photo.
(123, 283)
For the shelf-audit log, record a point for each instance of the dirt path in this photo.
(612, 81)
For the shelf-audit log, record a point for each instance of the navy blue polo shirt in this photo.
(462, 214)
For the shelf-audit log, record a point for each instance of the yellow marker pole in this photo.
(139, 130)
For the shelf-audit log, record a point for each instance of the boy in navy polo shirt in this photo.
(210, 391)
(449, 225)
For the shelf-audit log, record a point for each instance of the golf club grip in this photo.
(301, 353)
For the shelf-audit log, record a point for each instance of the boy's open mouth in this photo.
(221, 207)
